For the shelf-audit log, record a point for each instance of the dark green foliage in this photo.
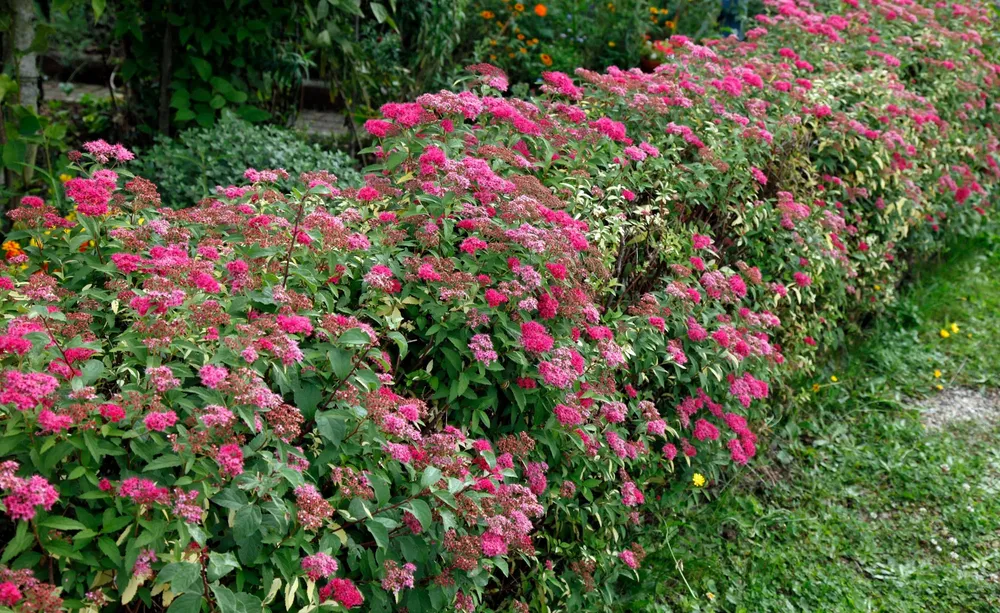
(189, 167)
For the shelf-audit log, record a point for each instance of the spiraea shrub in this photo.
(484, 380)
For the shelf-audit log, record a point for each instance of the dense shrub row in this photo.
(484, 378)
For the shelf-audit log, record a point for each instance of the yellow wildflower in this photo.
(65, 177)
(815, 387)
(878, 288)
(939, 387)
(834, 378)
(944, 333)
(698, 480)
(710, 596)
(937, 374)
(954, 328)
(611, 43)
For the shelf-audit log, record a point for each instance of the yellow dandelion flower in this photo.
(878, 288)
(937, 374)
(939, 387)
(954, 328)
(834, 378)
(944, 333)
(698, 480)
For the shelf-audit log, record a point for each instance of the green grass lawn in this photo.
(857, 506)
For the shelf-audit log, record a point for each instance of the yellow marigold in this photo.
(546, 59)
(698, 480)
(944, 333)
(541, 10)
(487, 15)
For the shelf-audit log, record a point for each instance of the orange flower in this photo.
(486, 15)
(546, 59)
(519, 7)
(541, 10)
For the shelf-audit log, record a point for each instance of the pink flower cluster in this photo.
(25, 495)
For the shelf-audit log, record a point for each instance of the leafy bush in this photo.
(489, 376)
(189, 167)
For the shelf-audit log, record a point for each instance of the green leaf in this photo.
(380, 532)
(236, 603)
(109, 549)
(220, 564)
(186, 603)
(231, 498)
(422, 511)
(168, 461)
(253, 114)
(354, 336)
(396, 158)
(379, 11)
(331, 428)
(21, 541)
(61, 523)
(432, 475)
(247, 524)
(182, 577)
(98, 8)
(341, 362)
(203, 68)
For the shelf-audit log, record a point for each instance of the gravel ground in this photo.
(960, 404)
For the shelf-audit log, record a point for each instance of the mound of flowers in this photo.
(485, 379)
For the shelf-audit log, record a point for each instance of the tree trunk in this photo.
(22, 35)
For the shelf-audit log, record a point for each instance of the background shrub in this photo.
(189, 167)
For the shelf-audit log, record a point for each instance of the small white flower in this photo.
(953, 555)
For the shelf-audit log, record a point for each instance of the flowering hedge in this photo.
(485, 378)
